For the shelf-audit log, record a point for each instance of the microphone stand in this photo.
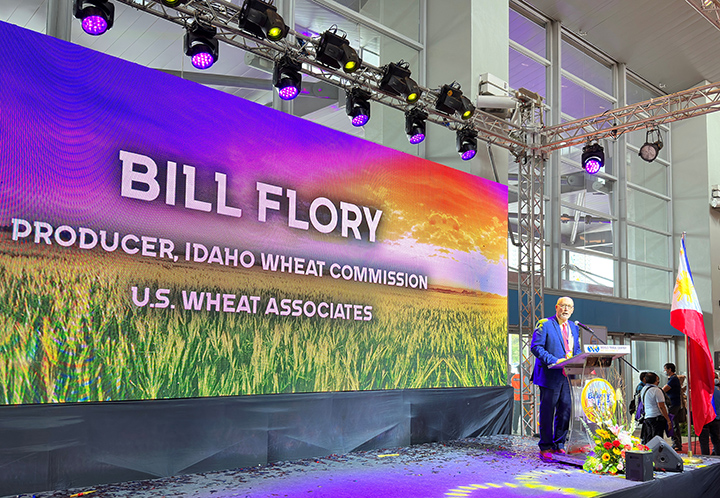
(604, 343)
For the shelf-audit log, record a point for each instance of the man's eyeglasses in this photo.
(566, 306)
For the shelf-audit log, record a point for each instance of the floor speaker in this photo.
(638, 466)
(664, 457)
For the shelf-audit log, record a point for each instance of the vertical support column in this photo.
(286, 8)
(59, 19)
(554, 275)
(620, 244)
(531, 274)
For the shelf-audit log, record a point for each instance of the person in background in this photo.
(641, 384)
(632, 408)
(674, 393)
(711, 430)
(554, 340)
(657, 418)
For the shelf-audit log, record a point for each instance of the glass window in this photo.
(373, 47)
(590, 191)
(649, 284)
(387, 125)
(587, 68)
(649, 247)
(652, 176)
(647, 210)
(402, 16)
(648, 356)
(527, 73)
(587, 273)
(579, 102)
(681, 357)
(581, 229)
(527, 33)
(638, 93)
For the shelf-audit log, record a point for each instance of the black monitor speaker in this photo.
(638, 466)
(664, 457)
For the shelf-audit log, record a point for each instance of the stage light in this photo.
(593, 158)
(466, 143)
(650, 150)
(96, 16)
(261, 19)
(415, 125)
(452, 100)
(287, 78)
(357, 106)
(201, 45)
(397, 81)
(335, 51)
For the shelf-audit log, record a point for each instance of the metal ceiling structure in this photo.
(709, 9)
(648, 114)
(512, 134)
(224, 16)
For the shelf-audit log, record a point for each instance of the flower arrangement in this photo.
(611, 443)
(612, 437)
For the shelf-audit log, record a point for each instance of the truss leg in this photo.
(531, 274)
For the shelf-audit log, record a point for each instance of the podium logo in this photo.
(598, 399)
(593, 349)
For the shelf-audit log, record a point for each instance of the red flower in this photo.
(607, 445)
(616, 443)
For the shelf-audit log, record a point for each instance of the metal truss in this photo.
(224, 16)
(509, 134)
(648, 114)
(531, 274)
(709, 9)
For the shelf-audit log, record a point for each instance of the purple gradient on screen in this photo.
(294, 152)
(94, 25)
(360, 120)
(417, 138)
(468, 154)
(288, 92)
(593, 165)
(202, 60)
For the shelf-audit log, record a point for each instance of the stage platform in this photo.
(490, 466)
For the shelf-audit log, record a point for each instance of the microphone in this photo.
(583, 326)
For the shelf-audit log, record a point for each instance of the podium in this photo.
(594, 379)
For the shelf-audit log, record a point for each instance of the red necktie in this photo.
(565, 333)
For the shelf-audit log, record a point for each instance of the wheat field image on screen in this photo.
(70, 332)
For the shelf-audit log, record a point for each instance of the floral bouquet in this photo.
(611, 435)
(611, 443)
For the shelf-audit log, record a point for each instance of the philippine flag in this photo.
(686, 316)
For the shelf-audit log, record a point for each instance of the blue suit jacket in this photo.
(548, 347)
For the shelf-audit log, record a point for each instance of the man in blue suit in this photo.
(554, 339)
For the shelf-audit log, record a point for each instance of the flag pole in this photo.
(690, 458)
(689, 404)
(689, 407)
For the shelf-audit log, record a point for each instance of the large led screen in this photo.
(161, 239)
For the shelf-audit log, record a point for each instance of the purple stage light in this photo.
(360, 120)
(202, 60)
(94, 25)
(468, 154)
(417, 138)
(288, 92)
(592, 166)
